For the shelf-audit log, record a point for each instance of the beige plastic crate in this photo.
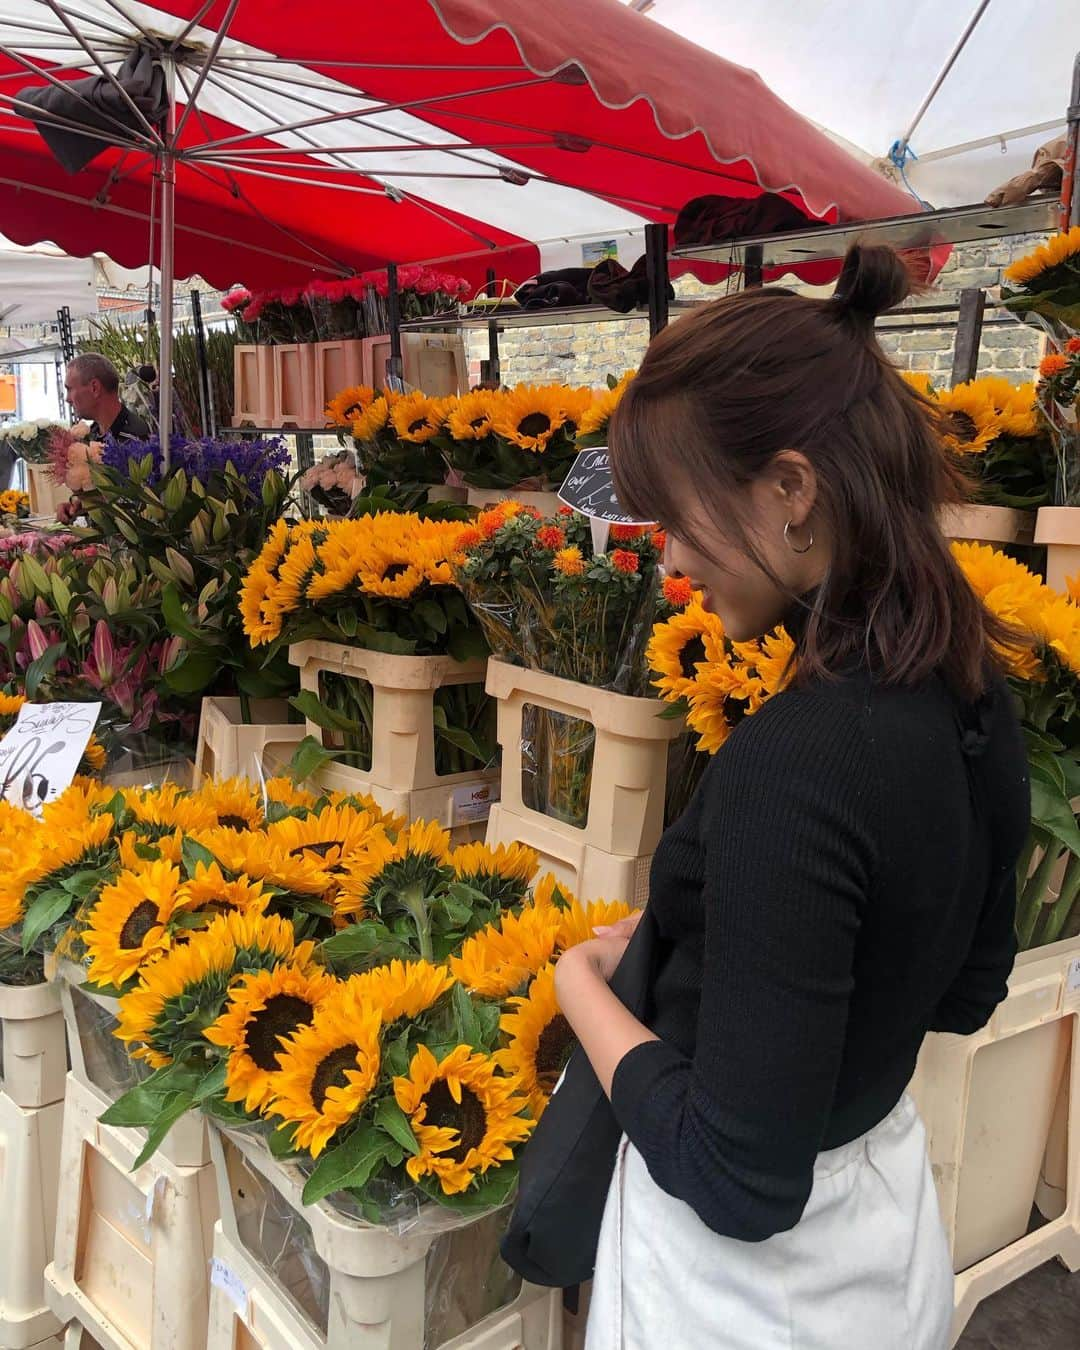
(988, 1102)
(373, 1283)
(45, 494)
(338, 365)
(402, 776)
(29, 1170)
(73, 1337)
(33, 1047)
(229, 747)
(132, 1252)
(1058, 528)
(547, 503)
(294, 386)
(610, 856)
(988, 524)
(253, 380)
(100, 1063)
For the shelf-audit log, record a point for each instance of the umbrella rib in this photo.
(27, 26)
(242, 163)
(57, 120)
(288, 178)
(310, 63)
(21, 74)
(85, 44)
(433, 210)
(151, 39)
(176, 41)
(254, 153)
(205, 68)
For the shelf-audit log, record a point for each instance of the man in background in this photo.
(93, 386)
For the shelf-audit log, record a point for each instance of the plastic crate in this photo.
(294, 386)
(29, 1171)
(988, 524)
(132, 1254)
(611, 852)
(988, 1102)
(33, 1047)
(338, 365)
(293, 1277)
(1058, 528)
(547, 503)
(100, 1063)
(253, 381)
(402, 776)
(44, 492)
(229, 747)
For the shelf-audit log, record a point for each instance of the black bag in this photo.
(567, 1166)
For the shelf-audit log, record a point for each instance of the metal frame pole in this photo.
(1070, 179)
(490, 372)
(395, 366)
(656, 272)
(969, 326)
(207, 411)
(168, 240)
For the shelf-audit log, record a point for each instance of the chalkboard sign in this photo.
(588, 488)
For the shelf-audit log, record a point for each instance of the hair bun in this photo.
(874, 279)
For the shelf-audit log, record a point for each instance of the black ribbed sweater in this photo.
(842, 882)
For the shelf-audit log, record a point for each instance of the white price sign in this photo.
(41, 753)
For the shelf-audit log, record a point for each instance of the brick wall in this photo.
(587, 353)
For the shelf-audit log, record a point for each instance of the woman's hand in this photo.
(601, 954)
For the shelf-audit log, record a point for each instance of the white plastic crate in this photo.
(44, 492)
(33, 1048)
(132, 1251)
(229, 747)
(253, 385)
(988, 1101)
(988, 524)
(290, 1277)
(1058, 529)
(29, 1170)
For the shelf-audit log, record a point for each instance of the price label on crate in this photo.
(223, 1277)
(41, 753)
(1072, 980)
(589, 488)
(472, 802)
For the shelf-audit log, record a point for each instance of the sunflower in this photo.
(158, 812)
(415, 859)
(677, 649)
(771, 657)
(76, 805)
(502, 873)
(530, 416)
(987, 570)
(970, 421)
(372, 420)
(1059, 631)
(233, 804)
(540, 1040)
(95, 756)
(416, 417)
(210, 893)
(1015, 404)
(346, 407)
(263, 1010)
(471, 417)
(253, 856)
(579, 921)
(52, 858)
(128, 928)
(919, 381)
(184, 992)
(464, 1114)
(9, 708)
(401, 988)
(294, 576)
(392, 580)
(710, 717)
(598, 414)
(327, 1070)
(361, 801)
(331, 836)
(284, 792)
(258, 586)
(1027, 271)
(549, 891)
(505, 955)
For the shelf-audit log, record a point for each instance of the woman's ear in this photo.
(793, 479)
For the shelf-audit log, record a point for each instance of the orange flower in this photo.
(569, 562)
(624, 533)
(678, 591)
(550, 536)
(491, 522)
(1073, 344)
(469, 537)
(1052, 365)
(565, 511)
(624, 561)
(530, 511)
(659, 540)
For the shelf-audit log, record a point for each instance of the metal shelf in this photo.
(959, 225)
(531, 318)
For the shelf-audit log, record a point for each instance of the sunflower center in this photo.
(478, 422)
(534, 424)
(468, 1117)
(394, 570)
(139, 922)
(283, 1014)
(416, 427)
(963, 426)
(331, 1073)
(234, 823)
(322, 849)
(218, 905)
(552, 1051)
(691, 654)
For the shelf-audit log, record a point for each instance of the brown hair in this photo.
(93, 366)
(724, 390)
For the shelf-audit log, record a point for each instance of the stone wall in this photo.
(587, 353)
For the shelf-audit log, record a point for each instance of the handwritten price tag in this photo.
(589, 488)
(40, 755)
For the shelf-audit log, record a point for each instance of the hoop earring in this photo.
(794, 548)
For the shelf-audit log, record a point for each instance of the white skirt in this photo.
(866, 1268)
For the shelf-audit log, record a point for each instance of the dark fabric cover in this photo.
(714, 219)
(562, 287)
(612, 285)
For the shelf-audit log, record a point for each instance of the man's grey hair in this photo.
(94, 366)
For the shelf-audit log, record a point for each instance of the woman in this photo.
(842, 882)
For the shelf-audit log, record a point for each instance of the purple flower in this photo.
(204, 459)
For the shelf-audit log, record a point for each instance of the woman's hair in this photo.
(724, 390)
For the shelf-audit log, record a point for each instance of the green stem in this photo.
(1059, 912)
(1031, 899)
(415, 904)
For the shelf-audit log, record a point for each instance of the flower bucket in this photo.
(253, 380)
(229, 747)
(397, 760)
(33, 1048)
(988, 1102)
(29, 1173)
(1058, 528)
(294, 386)
(286, 1276)
(132, 1252)
(45, 493)
(338, 365)
(584, 775)
(988, 524)
(547, 503)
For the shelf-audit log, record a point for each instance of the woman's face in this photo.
(746, 598)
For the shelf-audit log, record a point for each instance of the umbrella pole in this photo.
(168, 224)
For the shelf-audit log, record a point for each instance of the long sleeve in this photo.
(984, 979)
(789, 833)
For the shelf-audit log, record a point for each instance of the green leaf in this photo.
(308, 758)
(1051, 811)
(61, 593)
(194, 853)
(176, 619)
(213, 1082)
(431, 613)
(194, 672)
(43, 912)
(348, 1165)
(173, 1108)
(41, 667)
(365, 940)
(467, 1023)
(282, 1142)
(391, 1118)
(396, 1056)
(308, 704)
(494, 1190)
(458, 736)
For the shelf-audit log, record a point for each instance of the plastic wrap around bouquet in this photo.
(376, 1006)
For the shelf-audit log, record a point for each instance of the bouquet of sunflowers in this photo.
(378, 1004)
(14, 507)
(394, 434)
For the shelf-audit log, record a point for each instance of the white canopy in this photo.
(36, 282)
(862, 68)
